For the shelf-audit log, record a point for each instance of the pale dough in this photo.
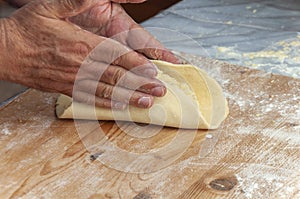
(193, 101)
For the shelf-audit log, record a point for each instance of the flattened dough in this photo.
(193, 101)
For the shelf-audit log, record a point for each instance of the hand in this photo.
(109, 19)
(44, 51)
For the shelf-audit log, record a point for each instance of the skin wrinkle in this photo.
(116, 77)
(106, 92)
(69, 5)
(40, 12)
(60, 60)
(146, 45)
(97, 12)
(57, 77)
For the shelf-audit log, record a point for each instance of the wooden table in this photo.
(254, 154)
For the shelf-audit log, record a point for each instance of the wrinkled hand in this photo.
(45, 51)
(107, 18)
(110, 20)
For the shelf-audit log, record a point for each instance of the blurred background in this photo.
(143, 11)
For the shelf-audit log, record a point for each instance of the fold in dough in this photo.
(193, 101)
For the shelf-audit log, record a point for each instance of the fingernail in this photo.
(119, 105)
(158, 91)
(150, 72)
(144, 102)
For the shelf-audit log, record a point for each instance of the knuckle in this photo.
(117, 76)
(81, 49)
(114, 75)
(156, 53)
(105, 91)
(121, 55)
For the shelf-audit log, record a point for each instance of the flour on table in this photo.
(5, 131)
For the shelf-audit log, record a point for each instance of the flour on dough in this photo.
(193, 101)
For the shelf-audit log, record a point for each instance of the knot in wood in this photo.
(142, 195)
(94, 156)
(223, 184)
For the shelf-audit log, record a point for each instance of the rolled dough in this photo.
(193, 101)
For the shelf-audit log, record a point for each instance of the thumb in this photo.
(60, 8)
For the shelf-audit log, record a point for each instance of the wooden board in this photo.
(254, 154)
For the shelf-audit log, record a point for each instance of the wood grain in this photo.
(254, 154)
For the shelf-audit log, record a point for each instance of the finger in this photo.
(137, 64)
(141, 40)
(113, 52)
(160, 54)
(116, 94)
(87, 98)
(115, 75)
